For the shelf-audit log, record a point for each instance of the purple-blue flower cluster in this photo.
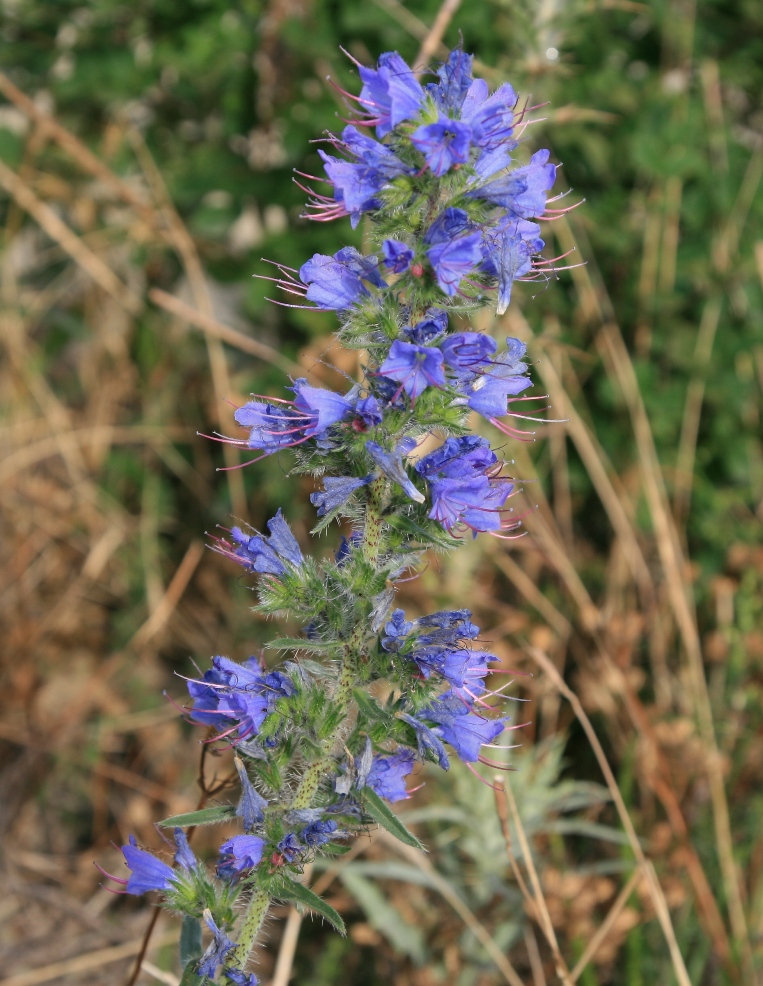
(425, 133)
(235, 699)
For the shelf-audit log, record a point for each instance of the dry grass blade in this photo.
(217, 329)
(658, 897)
(674, 567)
(58, 231)
(594, 461)
(604, 928)
(79, 151)
(288, 947)
(186, 248)
(172, 596)
(525, 585)
(433, 41)
(695, 395)
(87, 962)
(538, 899)
(161, 977)
(479, 931)
(78, 438)
(533, 955)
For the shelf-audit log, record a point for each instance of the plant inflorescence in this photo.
(327, 740)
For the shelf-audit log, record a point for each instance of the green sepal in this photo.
(207, 816)
(374, 806)
(370, 708)
(190, 941)
(289, 890)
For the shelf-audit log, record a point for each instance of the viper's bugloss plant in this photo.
(324, 742)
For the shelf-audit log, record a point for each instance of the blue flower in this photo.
(390, 94)
(397, 256)
(455, 77)
(271, 428)
(453, 260)
(321, 408)
(448, 225)
(491, 118)
(240, 978)
(508, 251)
(237, 697)
(336, 283)
(466, 731)
(266, 555)
(318, 833)
(435, 323)
(148, 872)
(336, 491)
(443, 144)
(458, 458)
(251, 805)
(466, 352)
(395, 631)
(241, 853)
(448, 625)
(184, 856)
(312, 412)
(391, 465)
(369, 413)
(414, 367)
(463, 484)
(356, 184)
(489, 392)
(217, 950)
(473, 502)
(387, 774)
(427, 739)
(523, 191)
(290, 847)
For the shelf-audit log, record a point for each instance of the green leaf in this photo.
(370, 707)
(299, 643)
(290, 890)
(207, 816)
(384, 916)
(190, 940)
(191, 976)
(332, 849)
(381, 813)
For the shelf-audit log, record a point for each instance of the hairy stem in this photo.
(253, 917)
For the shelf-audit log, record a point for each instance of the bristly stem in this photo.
(254, 916)
(372, 534)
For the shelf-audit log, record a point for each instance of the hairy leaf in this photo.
(207, 816)
(384, 816)
(290, 890)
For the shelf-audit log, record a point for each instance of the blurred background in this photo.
(146, 156)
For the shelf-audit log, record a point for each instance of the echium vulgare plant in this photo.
(323, 743)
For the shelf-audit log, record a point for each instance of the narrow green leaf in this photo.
(290, 890)
(381, 813)
(298, 643)
(207, 816)
(332, 849)
(190, 940)
(384, 916)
